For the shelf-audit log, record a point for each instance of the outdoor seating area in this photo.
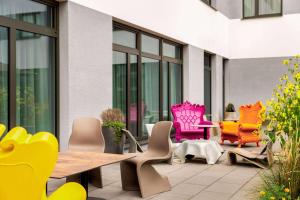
(152, 99)
(140, 170)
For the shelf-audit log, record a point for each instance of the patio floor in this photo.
(193, 180)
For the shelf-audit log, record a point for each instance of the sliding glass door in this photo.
(28, 62)
(3, 76)
(119, 81)
(35, 88)
(150, 92)
(147, 77)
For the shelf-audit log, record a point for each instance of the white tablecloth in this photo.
(207, 149)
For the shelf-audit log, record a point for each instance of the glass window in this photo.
(249, 8)
(35, 84)
(27, 11)
(119, 81)
(165, 91)
(175, 83)
(150, 45)
(3, 76)
(124, 38)
(269, 7)
(150, 92)
(133, 95)
(256, 8)
(172, 51)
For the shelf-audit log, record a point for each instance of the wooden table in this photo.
(205, 127)
(72, 162)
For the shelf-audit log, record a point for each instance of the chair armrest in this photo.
(176, 125)
(249, 127)
(134, 145)
(69, 191)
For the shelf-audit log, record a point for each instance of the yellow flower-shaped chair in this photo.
(26, 162)
(245, 130)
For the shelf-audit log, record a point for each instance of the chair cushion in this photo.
(248, 127)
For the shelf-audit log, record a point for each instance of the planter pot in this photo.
(230, 116)
(110, 145)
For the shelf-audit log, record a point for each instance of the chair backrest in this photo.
(159, 141)
(87, 135)
(26, 162)
(251, 113)
(188, 114)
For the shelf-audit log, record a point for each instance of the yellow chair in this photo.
(26, 162)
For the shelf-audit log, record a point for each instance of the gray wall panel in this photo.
(250, 80)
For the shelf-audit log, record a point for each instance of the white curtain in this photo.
(269, 6)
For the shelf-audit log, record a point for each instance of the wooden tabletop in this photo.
(72, 162)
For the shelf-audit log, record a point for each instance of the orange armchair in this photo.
(244, 130)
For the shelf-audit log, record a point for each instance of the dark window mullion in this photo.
(128, 101)
(139, 88)
(12, 79)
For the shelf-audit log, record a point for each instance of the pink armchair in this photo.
(185, 115)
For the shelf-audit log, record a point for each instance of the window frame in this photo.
(257, 15)
(138, 51)
(12, 26)
(209, 4)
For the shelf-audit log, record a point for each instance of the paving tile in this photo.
(170, 196)
(242, 194)
(223, 187)
(107, 192)
(203, 179)
(187, 189)
(208, 195)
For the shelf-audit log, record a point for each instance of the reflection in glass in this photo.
(165, 91)
(27, 11)
(150, 92)
(123, 37)
(133, 95)
(269, 7)
(171, 50)
(35, 83)
(175, 83)
(150, 44)
(3, 76)
(249, 8)
(119, 81)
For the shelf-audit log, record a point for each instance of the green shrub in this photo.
(230, 108)
(114, 118)
(117, 126)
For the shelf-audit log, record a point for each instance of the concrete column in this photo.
(217, 88)
(193, 74)
(85, 65)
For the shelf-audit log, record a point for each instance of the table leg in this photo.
(84, 181)
(205, 133)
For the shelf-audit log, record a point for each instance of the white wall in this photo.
(265, 37)
(194, 23)
(191, 21)
(85, 65)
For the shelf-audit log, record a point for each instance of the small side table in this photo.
(205, 127)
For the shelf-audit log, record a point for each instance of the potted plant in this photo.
(230, 112)
(113, 123)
